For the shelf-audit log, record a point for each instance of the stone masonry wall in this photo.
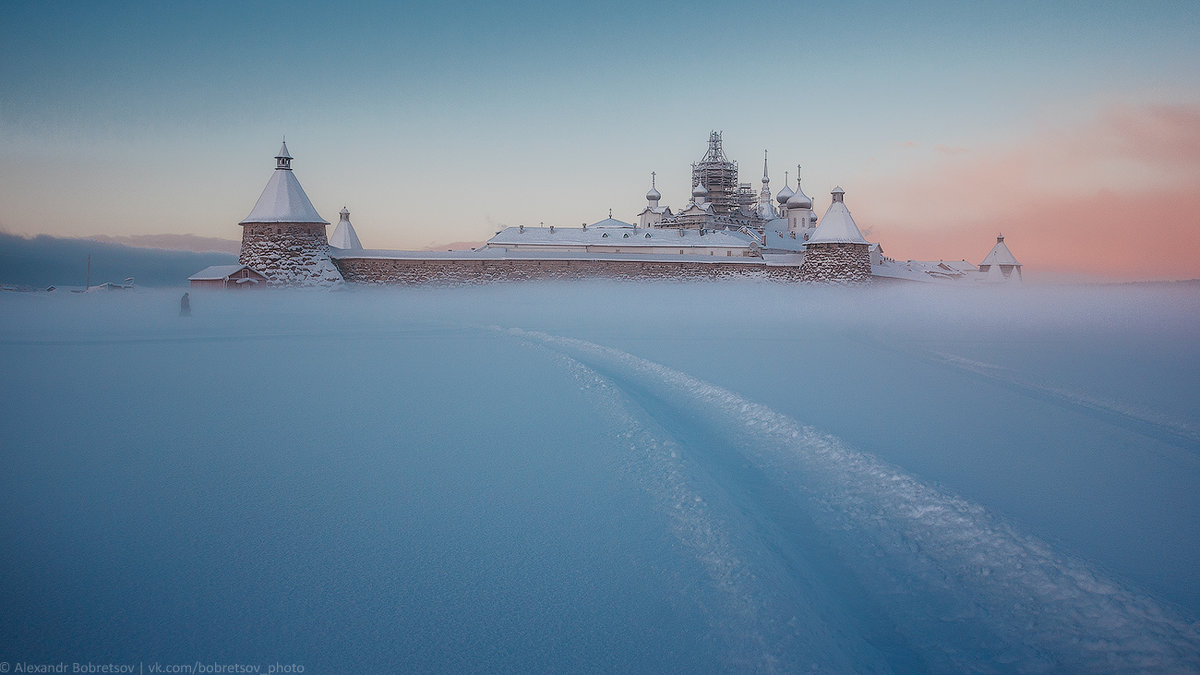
(418, 271)
(289, 254)
(836, 262)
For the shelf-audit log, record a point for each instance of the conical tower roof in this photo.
(344, 236)
(283, 200)
(837, 226)
(1000, 255)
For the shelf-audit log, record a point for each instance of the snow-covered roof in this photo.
(959, 265)
(283, 201)
(766, 210)
(633, 238)
(693, 207)
(926, 270)
(509, 254)
(344, 235)
(217, 272)
(1000, 255)
(837, 225)
(609, 222)
(778, 237)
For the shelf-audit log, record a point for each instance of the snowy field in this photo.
(605, 477)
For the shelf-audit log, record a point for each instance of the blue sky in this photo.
(440, 123)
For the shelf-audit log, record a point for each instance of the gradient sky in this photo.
(1073, 127)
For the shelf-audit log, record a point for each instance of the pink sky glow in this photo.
(1113, 197)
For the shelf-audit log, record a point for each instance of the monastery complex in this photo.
(725, 230)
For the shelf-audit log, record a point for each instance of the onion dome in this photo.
(653, 195)
(799, 200)
(699, 190)
(786, 193)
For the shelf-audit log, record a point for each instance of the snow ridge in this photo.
(965, 590)
(1154, 423)
(757, 631)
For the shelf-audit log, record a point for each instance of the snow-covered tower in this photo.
(799, 210)
(719, 175)
(344, 236)
(836, 251)
(284, 236)
(1000, 263)
(765, 208)
(653, 214)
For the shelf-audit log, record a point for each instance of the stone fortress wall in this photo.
(394, 271)
(836, 262)
(289, 254)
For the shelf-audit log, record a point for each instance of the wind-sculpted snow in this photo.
(963, 589)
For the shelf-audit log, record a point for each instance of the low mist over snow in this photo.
(605, 476)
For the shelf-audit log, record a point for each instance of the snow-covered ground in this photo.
(605, 476)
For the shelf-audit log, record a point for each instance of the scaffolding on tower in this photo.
(718, 175)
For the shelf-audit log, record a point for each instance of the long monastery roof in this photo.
(618, 236)
(509, 254)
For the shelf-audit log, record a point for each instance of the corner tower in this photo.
(836, 251)
(284, 236)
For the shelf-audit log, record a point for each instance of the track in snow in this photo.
(820, 556)
(1146, 422)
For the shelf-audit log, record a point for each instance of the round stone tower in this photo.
(284, 236)
(836, 251)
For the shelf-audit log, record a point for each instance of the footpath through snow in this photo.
(956, 588)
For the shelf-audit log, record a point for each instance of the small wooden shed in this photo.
(228, 276)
